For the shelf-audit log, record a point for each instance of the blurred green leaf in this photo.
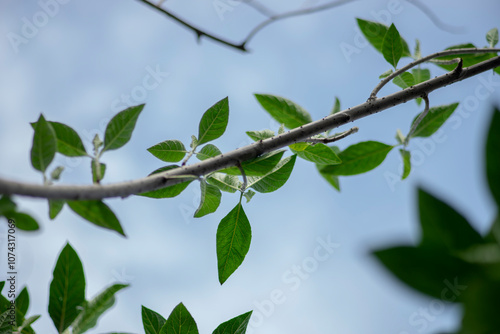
(284, 111)
(421, 74)
(260, 135)
(23, 220)
(404, 80)
(336, 106)
(375, 33)
(209, 201)
(152, 321)
(385, 74)
(480, 309)
(102, 166)
(418, 53)
(224, 182)
(492, 37)
(23, 301)
(120, 127)
(392, 48)
(167, 192)
(434, 119)
(274, 179)
(406, 155)
(330, 178)
(233, 242)
(69, 142)
(180, 321)
(237, 325)
(97, 213)
(249, 194)
(258, 166)
(6, 205)
(44, 145)
(214, 122)
(468, 59)
(208, 151)
(168, 150)
(319, 154)
(492, 156)
(55, 206)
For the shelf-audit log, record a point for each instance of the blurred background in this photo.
(88, 60)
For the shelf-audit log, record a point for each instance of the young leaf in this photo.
(167, 192)
(274, 179)
(25, 328)
(319, 154)
(97, 213)
(260, 135)
(492, 161)
(97, 143)
(281, 129)
(152, 321)
(258, 166)
(55, 206)
(404, 80)
(406, 163)
(284, 111)
(233, 242)
(433, 120)
(385, 74)
(336, 106)
(444, 227)
(23, 221)
(249, 194)
(208, 151)
(237, 325)
(210, 199)
(418, 53)
(224, 182)
(67, 289)
(97, 178)
(359, 158)
(420, 75)
(194, 142)
(69, 142)
(400, 137)
(214, 122)
(119, 129)
(492, 37)
(180, 321)
(330, 178)
(375, 33)
(94, 309)
(56, 173)
(168, 150)
(392, 48)
(468, 59)
(44, 145)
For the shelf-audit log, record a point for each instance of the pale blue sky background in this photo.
(90, 53)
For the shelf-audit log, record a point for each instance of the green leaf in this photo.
(258, 166)
(418, 53)
(25, 328)
(97, 143)
(233, 242)
(23, 221)
(480, 308)
(404, 80)
(208, 151)
(167, 192)
(97, 213)
(492, 160)
(468, 59)
(444, 227)
(375, 34)
(319, 154)
(492, 37)
(55, 206)
(6, 205)
(434, 119)
(385, 74)
(421, 75)
(284, 111)
(392, 48)
(69, 142)
(274, 179)
(152, 321)
(260, 135)
(56, 173)
(249, 194)
(168, 150)
(194, 142)
(359, 158)
(330, 178)
(224, 182)
(119, 129)
(180, 321)
(336, 106)
(281, 129)
(94, 309)
(400, 137)
(67, 289)
(237, 325)
(214, 122)
(210, 199)
(23, 301)
(5, 326)
(406, 155)
(102, 166)
(44, 145)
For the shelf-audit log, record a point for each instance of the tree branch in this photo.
(233, 158)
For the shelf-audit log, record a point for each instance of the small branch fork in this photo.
(233, 158)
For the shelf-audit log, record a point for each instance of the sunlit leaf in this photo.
(180, 321)
(392, 48)
(214, 122)
(275, 178)
(284, 111)
(228, 183)
(44, 145)
(208, 151)
(209, 200)
(98, 213)
(492, 37)
(168, 150)
(434, 119)
(260, 135)
(120, 127)
(406, 155)
(319, 154)
(404, 80)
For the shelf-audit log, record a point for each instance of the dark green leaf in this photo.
(23, 221)
(120, 128)
(168, 150)
(167, 192)
(330, 178)
(260, 135)
(233, 242)
(404, 80)
(97, 178)
(319, 154)
(434, 119)
(23, 301)
(406, 155)
(284, 111)
(69, 142)
(274, 179)
(44, 145)
(209, 201)
(94, 309)
(237, 325)
(97, 213)
(224, 182)
(359, 158)
(492, 156)
(208, 151)
(67, 289)
(392, 47)
(214, 122)
(375, 33)
(180, 321)
(152, 321)
(258, 166)
(336, 106)
(6, 205)
(442, 226)
(55, 206)
(492, 37)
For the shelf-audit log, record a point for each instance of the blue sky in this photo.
(78, 66)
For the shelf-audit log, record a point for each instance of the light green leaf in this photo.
(275, 178)
(404, 80)
(492, 161)
(336, 106)
(194, 142)
(284, 111)
(418, 53)
(67, 289)
(56, 173)
(260, 135)
(249, 194)
(214, 122)
(385, 74)
(6, 205)
(301, 146)
(210, 199)
(468, 59)
(406, 155)
(152, 321)
(119, 129)
(208, 151)
(237, 325)
(55, 206)
(492, 37)
(23, 221)
(180, 321)
(400, 137)
(97, 178)
(319, 154)
(281, 129)
(25, 327)
(434, 119)
(375, 33)
(97, 213)
(97, 143)
(233, 242)
(329, 177)
(44, 145)
(168, 150)
(224, 182)
(359, 158)
(257, 166)
(94, 309)
(420, 75)
(392, 48)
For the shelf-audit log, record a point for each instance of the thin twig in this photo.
(332, 138)
(435, 19)
(382, 83)
(259, 7)
(418, 120)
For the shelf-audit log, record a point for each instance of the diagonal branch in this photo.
(233, 158)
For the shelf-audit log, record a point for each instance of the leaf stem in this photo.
(418, 120)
